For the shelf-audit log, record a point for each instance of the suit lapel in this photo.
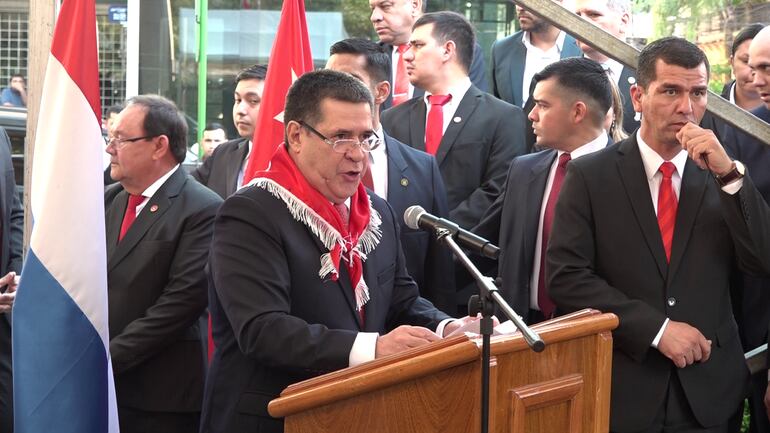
(114, 217)
(694, 183)
(634, 178)
(535, 191)
(153, 211)
(464, 111)
(418, 116)
(234, 163)
(397, 174)
(518, 54)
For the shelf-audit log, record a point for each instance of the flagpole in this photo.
(202, 19)
(42, 16)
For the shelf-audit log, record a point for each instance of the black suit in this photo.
(11, 229)
(606, 252)
(474, 153)
(276, 321)
(414, 179)
(752, 295)
(478, 74)
(512, 223)
(157, 291)
(220, 171)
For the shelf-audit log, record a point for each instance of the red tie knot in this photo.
(402, 48)
(134, 200)
(667, 169)
(564, 158)
(439, 99)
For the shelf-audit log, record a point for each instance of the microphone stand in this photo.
(484, 303)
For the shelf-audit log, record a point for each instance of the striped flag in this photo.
(62, 373)
(289, 58)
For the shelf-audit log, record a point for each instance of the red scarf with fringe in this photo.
(283, 171)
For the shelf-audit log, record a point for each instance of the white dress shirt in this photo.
(458, 91)
(537, 60)
(378, 164)
(597, 143)
(652, 161)
(239, 182)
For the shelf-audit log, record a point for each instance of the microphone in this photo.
(417, 218)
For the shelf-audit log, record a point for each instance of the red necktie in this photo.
(130, 215)
(342, 209)
(667, 205)
(401, 85)
(435, 127)
(544, 301)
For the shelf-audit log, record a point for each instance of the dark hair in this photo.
(582, 79)
(213, 126)
(162, 117)
(746, 33)
(253, 72)
(17, 75)
(305, 96)
(115, 108)
(451, 26)
(377, 60)
(673, 51)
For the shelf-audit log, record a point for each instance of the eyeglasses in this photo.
(120, 143)
(343, 145)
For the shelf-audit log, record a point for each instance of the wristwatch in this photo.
(738, 171)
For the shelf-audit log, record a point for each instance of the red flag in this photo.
(289, 58)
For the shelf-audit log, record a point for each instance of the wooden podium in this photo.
(437, 387)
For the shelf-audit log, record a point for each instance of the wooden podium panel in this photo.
(436, 388)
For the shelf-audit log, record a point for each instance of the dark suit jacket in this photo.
(509, 57)
(754, 298)
(275, 321)
(219, 171)
(414, 179)
(157, 291)
(11, 230)
(606, 252)
(474, 153)
(478, 74)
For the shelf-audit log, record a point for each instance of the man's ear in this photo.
(293, 131)
(450, 50)
(381, 92)
(162, 147)
(636, 97)
(579, 111)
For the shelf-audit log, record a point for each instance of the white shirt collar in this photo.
(559, 42)
(152, 189)
(592, 146)
(652, 160)
(615, 67)
(457, 90)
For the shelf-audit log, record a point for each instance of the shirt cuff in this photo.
(441, 325)
(660, 334)
(364, 348)
(733, 187)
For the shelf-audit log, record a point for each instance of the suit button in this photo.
(671, 301)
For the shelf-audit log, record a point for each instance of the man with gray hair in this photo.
(613, 16)
(159, 223)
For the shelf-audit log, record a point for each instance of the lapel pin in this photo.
(154, 208)
(457, 119)
(404, 181)
(631, 80)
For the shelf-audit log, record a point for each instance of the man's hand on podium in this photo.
(402, 338)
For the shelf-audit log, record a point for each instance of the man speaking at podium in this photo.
(652, 229)
(306, 270)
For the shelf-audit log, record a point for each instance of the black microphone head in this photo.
(412, 216)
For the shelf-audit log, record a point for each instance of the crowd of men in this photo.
(308, 268)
